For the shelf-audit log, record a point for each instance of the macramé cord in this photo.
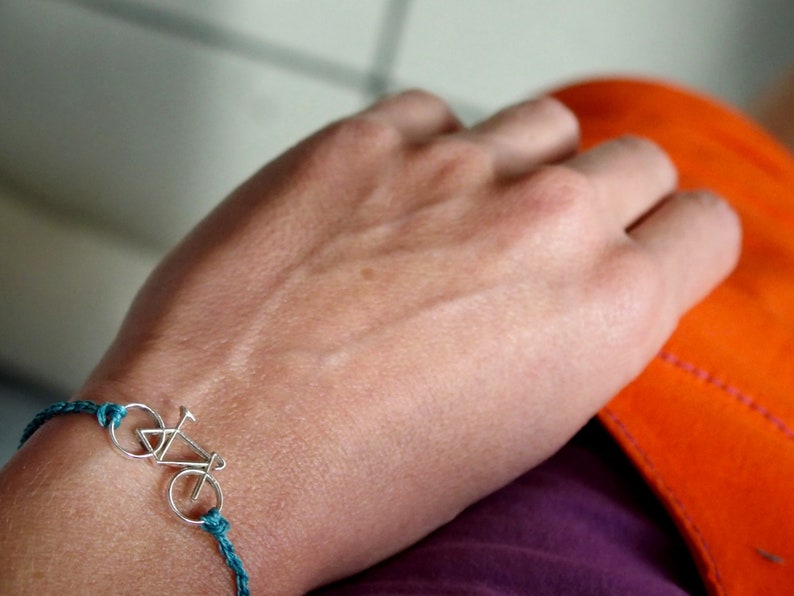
(109, 413)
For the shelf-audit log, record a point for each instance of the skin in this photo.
(393, 319)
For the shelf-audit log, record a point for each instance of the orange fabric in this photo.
(710, 424)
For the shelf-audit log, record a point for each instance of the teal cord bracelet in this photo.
(156, 442)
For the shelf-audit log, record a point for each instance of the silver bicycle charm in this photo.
(156, 443)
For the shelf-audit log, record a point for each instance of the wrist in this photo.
(68, 487)
(266, 442)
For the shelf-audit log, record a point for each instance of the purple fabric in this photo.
(582, 523)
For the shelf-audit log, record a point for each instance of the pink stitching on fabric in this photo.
(734, 392)
(664, 487)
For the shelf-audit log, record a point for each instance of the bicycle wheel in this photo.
(149, 450)
(209, 479)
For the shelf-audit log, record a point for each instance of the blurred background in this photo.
(123, 122)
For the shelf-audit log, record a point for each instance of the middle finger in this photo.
(528, 134)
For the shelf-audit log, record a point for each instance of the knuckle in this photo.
(634, 144)
(632, 290)
(554, 208)
(730, 223)
(716, 220)
(561, 191)
(553, 108)
(702, 199)
(357, 139)
(457, 160)
(419, 96)
(362, 132)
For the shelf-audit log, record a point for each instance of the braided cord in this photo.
(105, 413)
(217, 525)
(109, 413)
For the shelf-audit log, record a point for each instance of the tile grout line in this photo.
(381, 78)
(389, 38)
(369, 83)
(247, 46)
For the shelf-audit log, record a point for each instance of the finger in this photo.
(696, 238)
(631, 175)
(528, 134)
(416, 114)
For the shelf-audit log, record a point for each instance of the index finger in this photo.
(416, 114)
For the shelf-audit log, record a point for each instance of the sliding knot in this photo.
(107, 413)
(215, 523)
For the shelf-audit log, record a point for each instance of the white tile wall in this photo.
(142, 131)
(491, 52)
(64, 290)
(344, 31)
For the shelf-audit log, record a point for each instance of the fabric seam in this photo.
(738, 395)
(741, 396)
(675, 501)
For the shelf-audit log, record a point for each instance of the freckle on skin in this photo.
(367, 273)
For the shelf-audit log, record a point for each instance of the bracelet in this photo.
(156, 442)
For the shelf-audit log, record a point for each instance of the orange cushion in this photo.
(710, 423)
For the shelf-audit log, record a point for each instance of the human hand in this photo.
(400, 315)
